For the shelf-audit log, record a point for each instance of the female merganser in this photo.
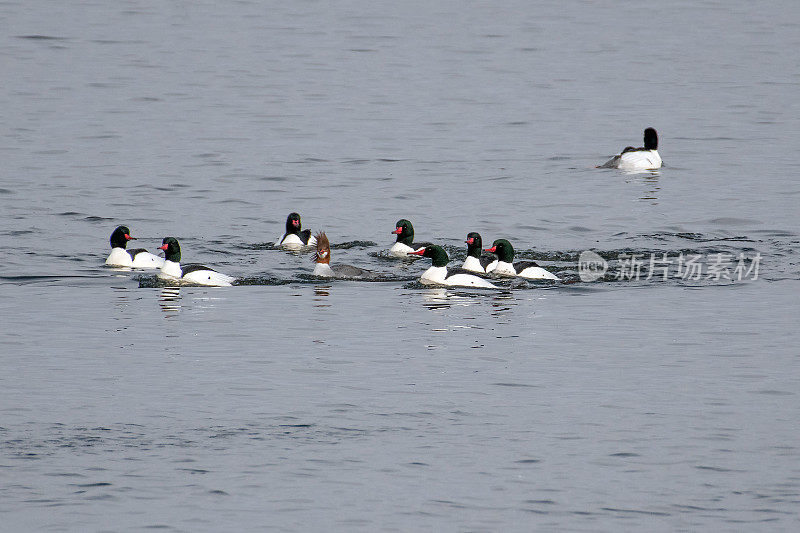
(323, 259)
(437, 274)
(295, 237)
(475, 261)
(120, 256)
(644, 158)
(405, 240)
(523, 269)
(198, 274)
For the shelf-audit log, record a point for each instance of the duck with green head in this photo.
(295, 236)
(506, 267)
(193, 274)
(438, 274)
(120, 256)
(476, 261)
(405, 244)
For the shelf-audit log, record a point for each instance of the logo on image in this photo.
(591, 266)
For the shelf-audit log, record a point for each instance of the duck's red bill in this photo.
(398, 231)
(492, 249)
(417, 252)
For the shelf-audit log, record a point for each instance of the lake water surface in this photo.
(289, 403)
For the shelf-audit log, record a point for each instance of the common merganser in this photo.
(323, 259)
(644, 158)
(198, 274)
(438, 274)
(475, 261)
(405, 244)
(295, 237)
(523, 269)
(120, 256)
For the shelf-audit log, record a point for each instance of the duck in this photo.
(475, 260)
(438, 274)
(644, 158)
(196, 274)
(296, 237)
(405, 244)
(523, 269)
(322, 257)
(120, 256)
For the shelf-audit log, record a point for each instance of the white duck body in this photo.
(530, 272)
(438, 276)
(194, 274)
(639, 160)
(120, 257)
(473, 264)
(400, 249)
(324, 270)
(293, 241)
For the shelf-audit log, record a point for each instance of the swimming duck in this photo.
(120, 256)
(295, 236)
(323, 258)
(405, 244)
(644, 158)
(476, 261)
(197, 274)
(438, 274)
(523, 269)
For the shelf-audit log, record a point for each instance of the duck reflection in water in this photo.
(169, 301)
(321, 295)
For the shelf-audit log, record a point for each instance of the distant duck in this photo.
(295, 236)
(197, 274)
(644, 158)
(405, 244)
(323, 258)
(506, 267)
(476, 261)
(120, 256)
(438, 274)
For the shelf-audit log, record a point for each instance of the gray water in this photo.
(289, 403)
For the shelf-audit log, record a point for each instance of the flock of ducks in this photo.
(478, 269)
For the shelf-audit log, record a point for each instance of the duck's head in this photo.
(293, 223)
(172, 250)
(323, 254)
(503, 250)
(435, 252)
(650, 139)
(474, 244)
(404, 231)
(120, 237)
